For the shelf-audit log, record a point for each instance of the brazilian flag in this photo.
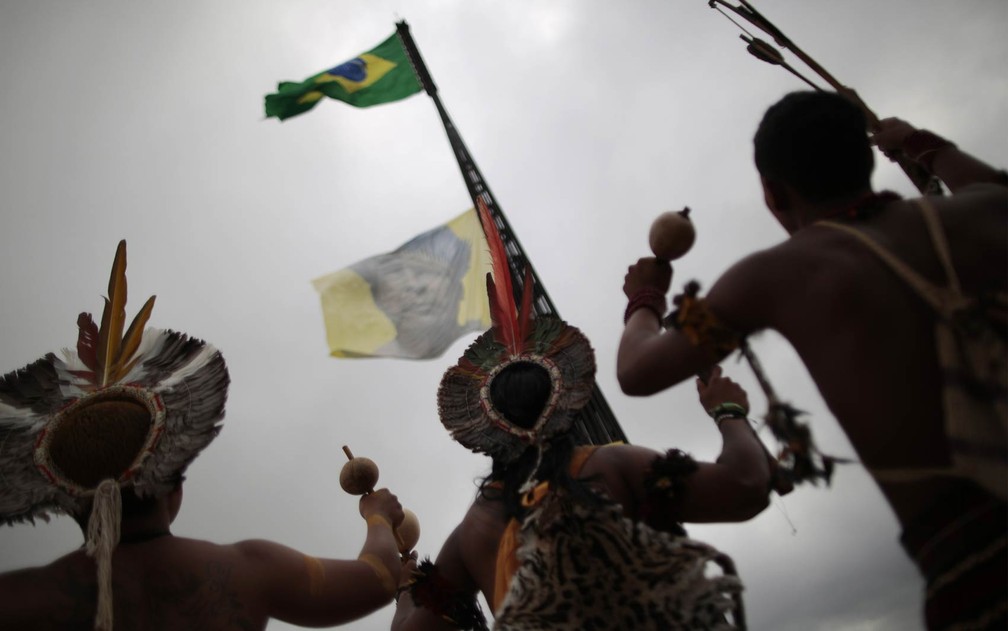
(381, 75)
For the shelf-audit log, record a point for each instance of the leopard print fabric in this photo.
(595, 569)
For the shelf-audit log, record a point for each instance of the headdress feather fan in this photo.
(464, 402)
(131, 408)
(182, 381)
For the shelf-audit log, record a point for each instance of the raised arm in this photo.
(309, 591)
(736, 486)
(672, 489)
(951, 165)
(650, 359)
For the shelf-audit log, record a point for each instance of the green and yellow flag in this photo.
(381, 75)
(413, 302)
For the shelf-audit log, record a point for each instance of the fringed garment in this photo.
(960, 547)
(580, 567)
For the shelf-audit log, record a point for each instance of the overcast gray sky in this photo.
(144, 121)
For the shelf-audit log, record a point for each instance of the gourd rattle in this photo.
(671, 234)
(358, 477)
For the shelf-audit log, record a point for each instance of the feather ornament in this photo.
(510, 325)
(113, 317)
(131, 340)
(525, 312)
(183, 382)
(107, 351)
(87, 341)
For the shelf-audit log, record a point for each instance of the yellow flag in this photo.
(413, 302)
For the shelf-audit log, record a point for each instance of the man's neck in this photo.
(849, 206)
(144, 527)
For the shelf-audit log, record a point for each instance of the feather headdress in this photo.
(122, 408)
(464, 402)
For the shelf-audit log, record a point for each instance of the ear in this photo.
(174, 502)
(776, 196)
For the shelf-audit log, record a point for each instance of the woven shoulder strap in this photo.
(940, 298)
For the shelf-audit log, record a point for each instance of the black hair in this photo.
(520, 392)
(817, 143)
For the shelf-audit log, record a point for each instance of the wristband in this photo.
(376, 519)
(726, 416)
(728, 408)
(647, 298)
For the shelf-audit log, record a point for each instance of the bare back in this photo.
(865, 336)
(163, 584)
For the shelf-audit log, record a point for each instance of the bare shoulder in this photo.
(621, 469)
(482, 526)
(69, 566)
(987, 194)
(977, 208)
(974, 222)
(746, 295)
(55, 596)
(617, 458)
(258, 550)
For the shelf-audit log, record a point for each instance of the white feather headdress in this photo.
(120, 409)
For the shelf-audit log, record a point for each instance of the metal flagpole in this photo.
(596, 423)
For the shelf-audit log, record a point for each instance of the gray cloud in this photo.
(144, 121)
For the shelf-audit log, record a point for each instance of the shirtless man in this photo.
(105, 433)
(866, 338)
(161, 581)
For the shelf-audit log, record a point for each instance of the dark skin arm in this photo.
(952, 166)
(451, 565)
(651, 359)
(308, 591)
(732, 488)
(180, 583)
(641, 361)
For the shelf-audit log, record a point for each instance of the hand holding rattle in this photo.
(358, 477)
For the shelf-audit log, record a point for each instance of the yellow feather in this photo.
(131, 340)
(113, 318)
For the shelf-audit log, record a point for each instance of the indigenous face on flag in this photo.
(412, 302)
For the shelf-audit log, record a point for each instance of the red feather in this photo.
(87, 341)
(525, 313)
(503, 311)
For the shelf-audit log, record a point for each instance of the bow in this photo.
(763, 50)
